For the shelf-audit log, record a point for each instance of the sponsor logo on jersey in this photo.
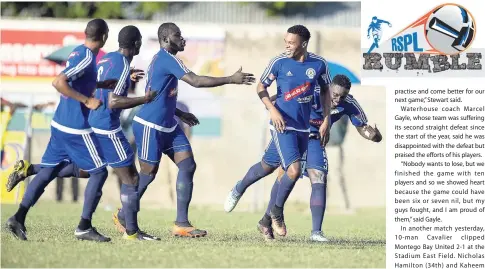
(316, 122)
(297, 91)
(306, 99)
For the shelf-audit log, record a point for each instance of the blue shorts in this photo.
(286, 148)
(316, 157)
(82, 149)
(116, 149)
(152, 143)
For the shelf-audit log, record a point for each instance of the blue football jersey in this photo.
(81, 72)
(349, 106)
(295, 82)
(113, 65)
(162, 76)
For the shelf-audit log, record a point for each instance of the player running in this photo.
(156, 130)
(297, 73)
(317, 163)
(105, 122)
(71, 136)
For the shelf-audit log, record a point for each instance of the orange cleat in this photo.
(119, 224)
(190, 231)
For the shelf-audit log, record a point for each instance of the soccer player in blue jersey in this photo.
(105, 122)
(156, 130)
(72, 139)
(297, 72)
(317, 163)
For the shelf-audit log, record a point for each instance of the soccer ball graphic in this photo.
(450, 29)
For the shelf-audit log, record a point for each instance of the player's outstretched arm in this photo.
(122, 102)
(370, 133)
(206, 82)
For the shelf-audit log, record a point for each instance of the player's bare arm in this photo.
(370, 133)
(61, 85)
(273, 98)
(187, 117)
(206, 82)
(117, 101)
(276, 118)
(325, 100)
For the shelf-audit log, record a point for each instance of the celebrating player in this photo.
(105, 122)
(317, 164)
(297, 72)
(71, 136)
(156, 130)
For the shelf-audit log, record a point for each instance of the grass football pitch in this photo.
(357, 240)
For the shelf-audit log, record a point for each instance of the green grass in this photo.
(358, 240)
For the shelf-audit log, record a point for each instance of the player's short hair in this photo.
(96, 29)
(342, 81)
(128, 37)
(301, 31)
(164, 29)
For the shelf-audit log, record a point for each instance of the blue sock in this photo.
(145, 180)
(286, 186)
(69, 170)
(93, 193)
(274, 193)
(131, 205)
(184, 188)
(36, 188)
(255, 173)
(317, 205)
(35, 169)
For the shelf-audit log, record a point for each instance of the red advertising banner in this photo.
(23, 51)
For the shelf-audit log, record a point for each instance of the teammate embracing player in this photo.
(297, 72)
(156, 130)
(317, 164)
(105, 122)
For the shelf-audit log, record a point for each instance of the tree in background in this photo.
(123, 10)
(107, 10)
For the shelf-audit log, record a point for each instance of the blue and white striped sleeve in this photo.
(77, 63)
(355, 112)
(271, 71)
(123, 73)
(325, 73)
(176, 67)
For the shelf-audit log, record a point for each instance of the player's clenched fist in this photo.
(92, 103)
(242, 78)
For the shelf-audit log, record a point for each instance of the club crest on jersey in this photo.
(173, 92)
(337, 110)
(310, 72)
(297, 91)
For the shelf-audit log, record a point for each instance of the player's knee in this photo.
(130, 179)
(294, 170)
(148, 169)
(102, 173)
(187, 165)
(267, 168)
(317, 176)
